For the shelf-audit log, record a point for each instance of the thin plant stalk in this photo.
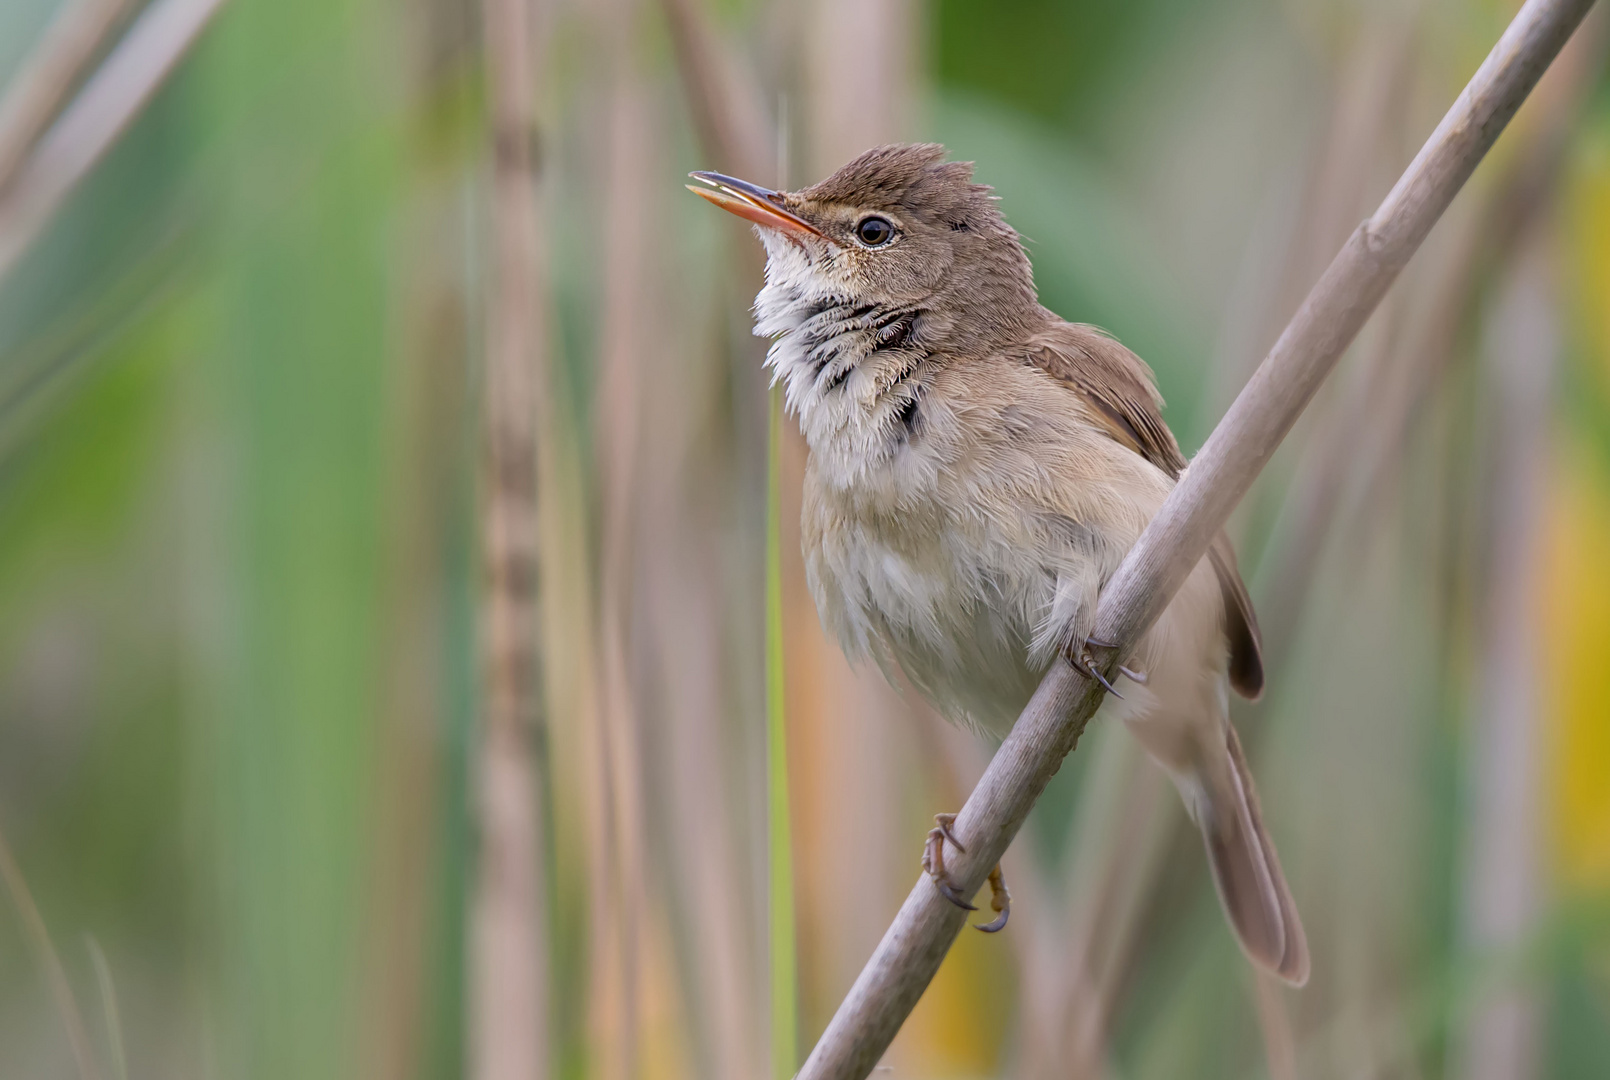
(508, 988)
(724, 106)
(111, 1013)
(61, 991)
(732, 130)
(1503, 894)
(36, 93)
(102, 111)
(626, 948)
(780, 843)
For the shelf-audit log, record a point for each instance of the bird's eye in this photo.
(874, 231)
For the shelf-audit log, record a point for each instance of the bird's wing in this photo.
(1116, 383)
(1240, 621)
(1123, 398)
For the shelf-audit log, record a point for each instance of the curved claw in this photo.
(1133, 676)
(954, 895)
(995, 925)
(1095, 673)
(1087, 663)
(1000, 900)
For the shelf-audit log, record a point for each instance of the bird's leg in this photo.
(933, 860)
(1087, 664)
(1000, 902)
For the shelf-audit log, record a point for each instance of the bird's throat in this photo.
(852, 371)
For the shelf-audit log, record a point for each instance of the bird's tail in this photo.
(1246, 869)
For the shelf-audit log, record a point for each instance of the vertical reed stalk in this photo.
(508, 981)
(780, 843)
(109, 1009)
(1504, 891)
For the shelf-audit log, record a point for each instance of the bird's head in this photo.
(899, 228)
(891, 270)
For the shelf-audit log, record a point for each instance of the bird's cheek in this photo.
(920, 273)
(917, 284)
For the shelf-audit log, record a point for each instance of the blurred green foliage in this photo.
(1056, 62)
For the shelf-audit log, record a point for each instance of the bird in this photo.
(977, 469)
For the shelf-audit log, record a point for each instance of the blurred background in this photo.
(337, 740)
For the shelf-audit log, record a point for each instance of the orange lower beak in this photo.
(752, 203)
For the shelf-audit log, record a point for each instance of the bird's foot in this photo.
(933, 861)
(1133, 675)
(1087, 664)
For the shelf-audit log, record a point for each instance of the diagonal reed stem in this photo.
(161, 36)
(1231, 459)
(49, 73)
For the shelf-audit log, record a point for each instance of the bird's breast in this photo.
(976, 548)
(907, 568)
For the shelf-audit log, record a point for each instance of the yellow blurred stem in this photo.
(1577, 610)
(1577, 577)
(784, 981)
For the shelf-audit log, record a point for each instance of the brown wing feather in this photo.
(1122, 393)
(1116, 382)
(1240, 621)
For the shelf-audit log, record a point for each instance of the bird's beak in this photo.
(752, 203)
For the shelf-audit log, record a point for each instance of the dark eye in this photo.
(874, 231)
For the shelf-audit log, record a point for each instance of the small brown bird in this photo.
(978, 469)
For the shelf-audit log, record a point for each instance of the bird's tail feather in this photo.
(1247, 872)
